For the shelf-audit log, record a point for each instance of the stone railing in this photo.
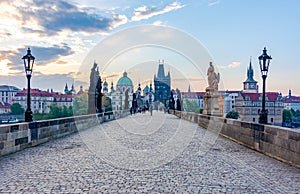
(15, 137)
(278, 142)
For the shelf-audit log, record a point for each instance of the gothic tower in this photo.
(250, 85)
(162, 84)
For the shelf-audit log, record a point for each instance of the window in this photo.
(247, 111)
(271, 120)
(253, 119)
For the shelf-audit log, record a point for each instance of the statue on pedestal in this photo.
(213, 78)
(94, 94)
(211, 104)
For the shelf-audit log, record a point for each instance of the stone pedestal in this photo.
(211, 103)
(91, 103)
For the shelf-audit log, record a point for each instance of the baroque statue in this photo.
(213, 78)
(211, 97)
(94, 77)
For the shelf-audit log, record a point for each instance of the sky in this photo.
(67, 36)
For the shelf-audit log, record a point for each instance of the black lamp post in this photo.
(264, 62)
(28, 64)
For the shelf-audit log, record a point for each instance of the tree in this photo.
(287, 115)
(16, 109)
(232, 115)
(106, 103)
(293, 112)
(80, 104)
(297, 113)
(55, 111)
(191, 106)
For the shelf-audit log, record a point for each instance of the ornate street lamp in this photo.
(264, 62)
(28, 64)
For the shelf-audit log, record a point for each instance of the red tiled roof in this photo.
(271, 96)
(292, 99)
(40, 93)
(34, 92)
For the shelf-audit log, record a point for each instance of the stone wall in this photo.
(15, 137)
(278, 142)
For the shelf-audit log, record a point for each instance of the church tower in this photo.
(250, 85)
(66, 89)
(162, 84)
(105, 87)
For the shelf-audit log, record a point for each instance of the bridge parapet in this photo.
(15, 137)
(278, 142)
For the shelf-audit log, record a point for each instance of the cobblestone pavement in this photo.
(144, 154)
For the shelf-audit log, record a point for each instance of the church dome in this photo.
(124, 81)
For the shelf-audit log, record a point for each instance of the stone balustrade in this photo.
(15, 137)
(278, 142)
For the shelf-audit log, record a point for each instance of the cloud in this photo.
(43, 55)
(213, 3)
(231, 65)
(51, 17)
(144, 12)
(118, 20)
(158, 23)
(43, 81)
(61, 15)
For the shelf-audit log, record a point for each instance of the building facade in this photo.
(120, 97)
(291, 102)
(248, 105)
(4, 108)
(42, 100)
(229, 98)
(7, 93)
(162, 84)
(197, 97)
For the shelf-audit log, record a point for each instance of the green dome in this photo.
(124, 81)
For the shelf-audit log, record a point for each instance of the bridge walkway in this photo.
(145, 154)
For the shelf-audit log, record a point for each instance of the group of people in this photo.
(141, 110)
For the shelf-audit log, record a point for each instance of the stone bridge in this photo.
(143, 154)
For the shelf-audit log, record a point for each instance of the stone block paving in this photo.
(144, 154)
